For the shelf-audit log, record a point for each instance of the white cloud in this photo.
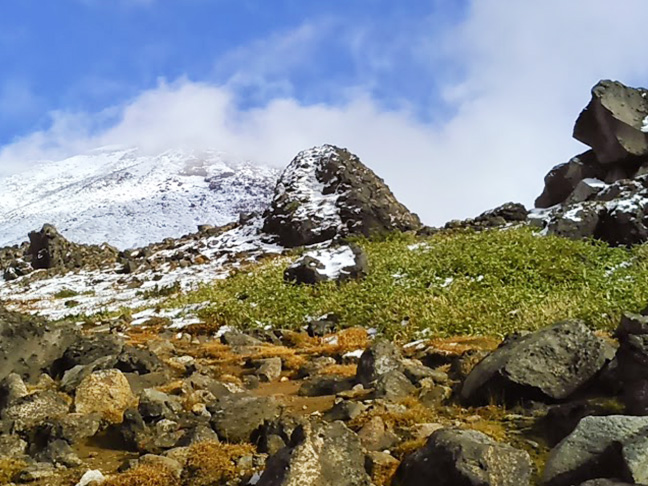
(526, 68)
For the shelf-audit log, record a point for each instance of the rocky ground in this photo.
(101, 384)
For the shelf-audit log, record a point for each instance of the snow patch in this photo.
(644, 125)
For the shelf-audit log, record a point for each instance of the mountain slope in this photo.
(129, 199)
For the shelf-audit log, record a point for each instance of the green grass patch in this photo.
(493, 283)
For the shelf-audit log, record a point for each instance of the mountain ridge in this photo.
(132, 199)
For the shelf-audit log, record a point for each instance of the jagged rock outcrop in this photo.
(603, 193)
(326, 192)
(50, 250)
(561, 181)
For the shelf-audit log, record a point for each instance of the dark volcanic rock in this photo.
(347, 262)
(562, 180)
(29, 345)
(89, 349)
(615, 213)
(49, 250)
(550, 364)
(614, 447)
(326, 192)
(464, 458)
(612, 122)
(493, 218)
(319, 454)
(632, 361)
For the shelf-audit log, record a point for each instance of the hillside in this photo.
(131, 199)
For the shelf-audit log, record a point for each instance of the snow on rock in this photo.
(130, 199)
(615, 213)
(327, 192)
(335, 262)
(342, 263)
(91, 476)
(644, 125)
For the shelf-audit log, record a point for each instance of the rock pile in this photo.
(281, 407)
(603, 193)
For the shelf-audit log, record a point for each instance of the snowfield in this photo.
(129, 199)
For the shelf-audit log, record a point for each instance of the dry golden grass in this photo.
(212, 463)
(9, 468)
(383, 474)
(408, 446)
(144, 475)
(340, 370)
(458, 345)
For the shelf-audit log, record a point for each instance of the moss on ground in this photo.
(453, 283)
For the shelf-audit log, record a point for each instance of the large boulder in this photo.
(29, 345)
(453, 457)
(614, 447)
(550, 364)
(613, 123)
(326, 192)
(319, 454)
(105, 392)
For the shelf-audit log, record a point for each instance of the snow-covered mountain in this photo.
(129, 199)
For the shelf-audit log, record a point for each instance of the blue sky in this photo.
(85, 55)
(459, 104)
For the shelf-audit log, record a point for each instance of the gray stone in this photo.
(199, 433)
(36, 409)
(236, 417)
(379, 359)
(464, 458)
(268, 369)
(615, 447)
(319, 454)
(155, 405)
(374, 435)
(393, 385)
(59, 453)
(345, 410)
(562, 180)
(12, 447)
(318, 386)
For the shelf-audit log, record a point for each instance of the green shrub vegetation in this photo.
(461, 282)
